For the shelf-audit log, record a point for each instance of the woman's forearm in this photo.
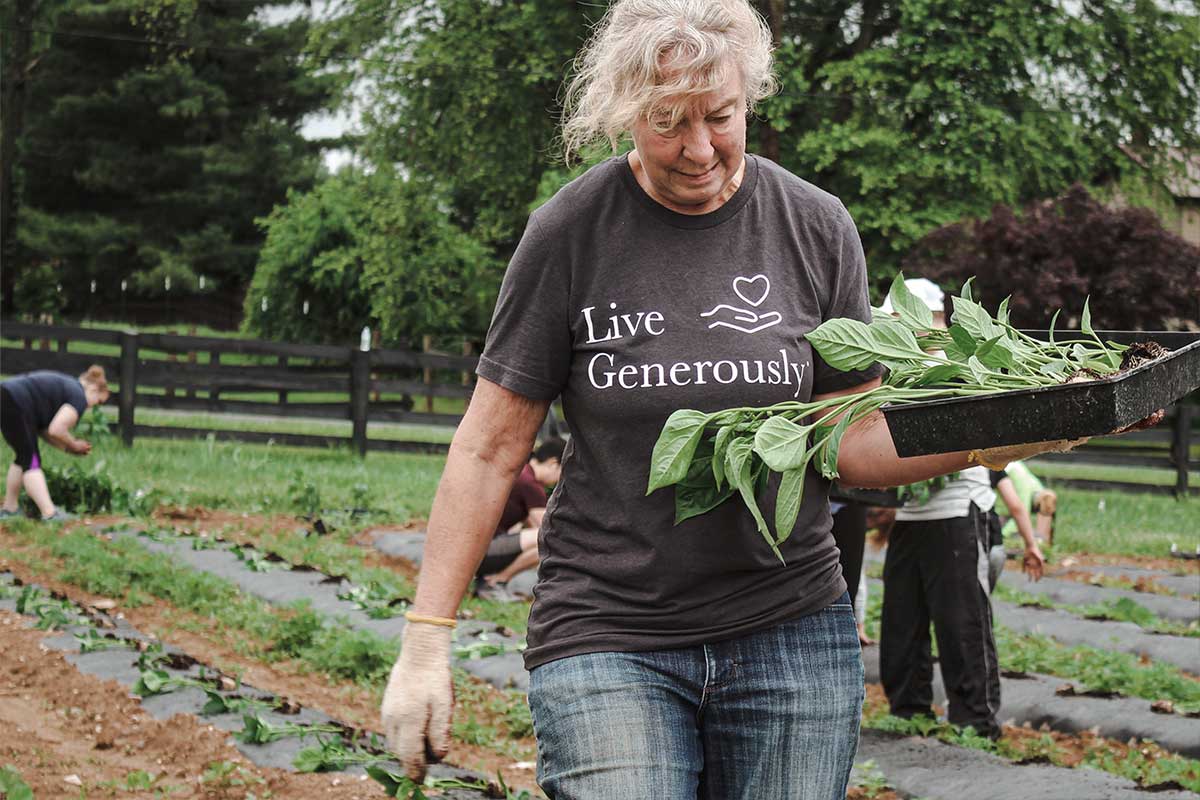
(491, 446)
(868, 458)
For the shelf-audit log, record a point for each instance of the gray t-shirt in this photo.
(631, 311)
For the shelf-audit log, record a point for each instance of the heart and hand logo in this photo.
(751, 291)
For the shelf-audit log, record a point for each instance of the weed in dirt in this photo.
(140, 780)
(870, 780)
(377, 600)
(12, 786)
(227, 775)
(303, 494)
(333, 754)
(358, 656)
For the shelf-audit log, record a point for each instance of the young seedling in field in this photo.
(376, 599)
(334, 754)
(257, 730)
(218, 703)
(255, 560)
(710, 457)
(51, 613)
(12, 786)
(159, 681)
(91, 641)
(396, 784)
(483, 647)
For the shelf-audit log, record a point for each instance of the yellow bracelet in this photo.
(445, 622)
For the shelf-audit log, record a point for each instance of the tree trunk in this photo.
(12, 120)
(769, 137)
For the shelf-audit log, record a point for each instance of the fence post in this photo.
(360, 388)
(214, 394)
(427, 374)
(1181, 445)
(283, 395)
(129, 359)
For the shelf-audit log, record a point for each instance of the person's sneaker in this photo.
(6, 514)
(495, 591)
(59, 516)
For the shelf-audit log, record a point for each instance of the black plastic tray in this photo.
(1070, 411)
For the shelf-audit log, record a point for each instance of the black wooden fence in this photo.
(198, 373)
(195, 373)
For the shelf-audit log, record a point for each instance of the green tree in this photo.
(369, 249)
(918, 113)
(463, 93)
(156, 132)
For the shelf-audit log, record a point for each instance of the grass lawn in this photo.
(1130, 523)
(264, 478)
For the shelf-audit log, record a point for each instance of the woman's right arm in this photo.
(489, 449)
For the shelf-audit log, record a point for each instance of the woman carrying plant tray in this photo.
(666, 660)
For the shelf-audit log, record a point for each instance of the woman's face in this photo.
(692, 168)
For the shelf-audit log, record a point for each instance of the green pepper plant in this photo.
(710, 457)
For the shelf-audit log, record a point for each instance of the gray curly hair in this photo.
(647, 59)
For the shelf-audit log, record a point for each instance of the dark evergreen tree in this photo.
(155, 135)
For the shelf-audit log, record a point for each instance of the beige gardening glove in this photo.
(419, 698)
(1001, 457)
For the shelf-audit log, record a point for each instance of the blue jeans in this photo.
(769, 716)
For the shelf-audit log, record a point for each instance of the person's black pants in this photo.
(18, 431)
(850, 534)
(936, 571)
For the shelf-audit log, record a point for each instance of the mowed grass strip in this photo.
(1125, 523)
(258, 478)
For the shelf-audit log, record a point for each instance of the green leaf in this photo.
(1055, 369)
(787, 503)
(966, 289)
(979, 371)
(844, 344)
(894, 343)
(718, 459)
(912, 311)
(975, 319)
(1002, 312)
(12, 786)
(1085, 321)
(782, 444)
(963, 340)
(738, 458)
(151, 682)
(692, 501)
(831, 446)
(996, 353)
(674, 448)
(941, 373)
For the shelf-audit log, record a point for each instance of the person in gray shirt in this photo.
(666, 661)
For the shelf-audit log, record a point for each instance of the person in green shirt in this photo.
(1041, 502)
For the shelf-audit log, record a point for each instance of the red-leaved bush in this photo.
(1056, 253)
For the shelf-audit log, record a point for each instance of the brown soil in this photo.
(343, 701)
(1178, 566)
(1142, 584)
(65, 731)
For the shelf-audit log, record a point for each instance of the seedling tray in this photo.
(1069, 411)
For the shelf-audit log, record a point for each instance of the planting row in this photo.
(269, 730)
(262, 574)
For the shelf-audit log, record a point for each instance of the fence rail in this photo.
(197, 373)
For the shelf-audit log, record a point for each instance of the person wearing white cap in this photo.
(936, 571)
